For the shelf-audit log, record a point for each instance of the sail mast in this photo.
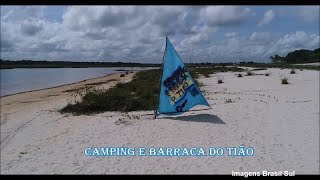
(164, 53)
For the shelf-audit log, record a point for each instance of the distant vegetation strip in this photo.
(7, 64)
(297, 56)
(65, 64)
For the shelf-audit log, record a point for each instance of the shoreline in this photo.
(64, 93)
(53, 87)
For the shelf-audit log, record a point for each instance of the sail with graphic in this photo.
(178, 91)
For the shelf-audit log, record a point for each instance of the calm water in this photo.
(21, 80)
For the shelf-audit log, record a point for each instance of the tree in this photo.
(276, 58)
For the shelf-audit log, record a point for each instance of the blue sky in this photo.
(54, 13)
(137, 33)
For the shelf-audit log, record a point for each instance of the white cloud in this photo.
(31, 27)
(200, 38)
(224, 15)
(79, 18)
(294, 41)
(267, 18)
(20, 13)
(260, 36)
(231, 34)
(137, 34)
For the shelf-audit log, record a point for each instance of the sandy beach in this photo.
(281, 123)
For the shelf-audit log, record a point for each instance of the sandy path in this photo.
(281, 122)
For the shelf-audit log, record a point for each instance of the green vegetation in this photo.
(205, 71)
(220, 79)
(7, 64)
(228, 101)
(290, 61)
(139, 94)
(10, 64)
(258, 69)
(249, 73)
(298, 56)
(284, 80)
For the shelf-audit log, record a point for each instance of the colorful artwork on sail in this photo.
(178, 84)
(178, 91)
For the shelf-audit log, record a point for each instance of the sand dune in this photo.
(281, 123)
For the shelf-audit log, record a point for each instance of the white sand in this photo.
(281, 123)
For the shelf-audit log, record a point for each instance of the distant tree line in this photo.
(298, 56)
(7, 64)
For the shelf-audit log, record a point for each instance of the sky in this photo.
(137, 33)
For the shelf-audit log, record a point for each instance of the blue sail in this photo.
(178, 92)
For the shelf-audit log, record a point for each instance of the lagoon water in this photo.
(20, 80)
